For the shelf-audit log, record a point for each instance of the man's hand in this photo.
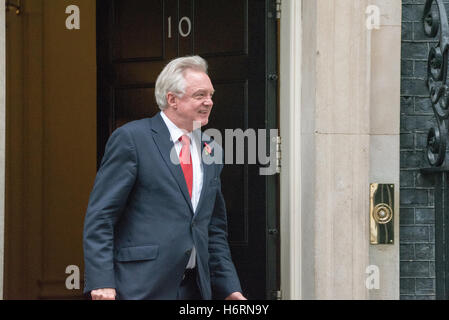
(235, 296)
(103, 294)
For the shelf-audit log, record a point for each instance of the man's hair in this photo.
(171, 79)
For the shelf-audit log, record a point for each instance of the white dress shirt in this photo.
(197, 167)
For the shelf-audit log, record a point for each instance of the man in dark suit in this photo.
(155, 226)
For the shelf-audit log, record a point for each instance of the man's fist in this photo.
(103, 294)
(235, 296)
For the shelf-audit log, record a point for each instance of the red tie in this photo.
(186, 162)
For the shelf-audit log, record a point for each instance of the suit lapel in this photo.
(161, 137)
(207, 174)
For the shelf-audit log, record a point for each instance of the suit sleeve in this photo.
(112, 185)
(224, 278)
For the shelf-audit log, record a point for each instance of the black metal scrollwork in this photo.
(435, 20)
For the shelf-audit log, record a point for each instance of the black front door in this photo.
(237, 38)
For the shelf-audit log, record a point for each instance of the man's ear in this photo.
(172, 100)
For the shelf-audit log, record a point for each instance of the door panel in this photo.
(137, 38)
(130, 103)
(220, 27)
(136, 24)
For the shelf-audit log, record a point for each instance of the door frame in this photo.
(291, 269)
(272, 182)
(2, 142)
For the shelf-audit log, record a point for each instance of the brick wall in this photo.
(417, 217)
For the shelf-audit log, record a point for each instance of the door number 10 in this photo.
(183, 24)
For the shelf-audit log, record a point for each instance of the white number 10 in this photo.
(180, 27)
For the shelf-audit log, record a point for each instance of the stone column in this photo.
(342, 124)
(385, 78)
(350, 138)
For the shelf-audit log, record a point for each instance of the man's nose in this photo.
(208, 102)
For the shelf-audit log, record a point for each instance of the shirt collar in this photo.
(175, 132)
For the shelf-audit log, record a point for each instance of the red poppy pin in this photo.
(207, 149)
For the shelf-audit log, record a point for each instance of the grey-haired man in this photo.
(154, 228)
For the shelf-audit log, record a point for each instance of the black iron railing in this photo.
(436, 23)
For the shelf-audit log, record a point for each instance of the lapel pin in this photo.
(207, 149)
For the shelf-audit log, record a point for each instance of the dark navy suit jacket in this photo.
(140, 226)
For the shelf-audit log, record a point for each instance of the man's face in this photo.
(196, 104)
